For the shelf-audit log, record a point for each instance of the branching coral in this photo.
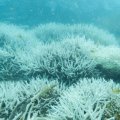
(67, 59)
(27, 99)
(56, 32)
(90, 99)
(10, 68)
(71, 54)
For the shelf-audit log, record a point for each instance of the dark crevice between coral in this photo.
(109, 73)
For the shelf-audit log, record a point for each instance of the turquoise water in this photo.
(103, 13)
(59, 60)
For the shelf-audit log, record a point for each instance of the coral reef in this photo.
(89, 99)
(59, 72)
(21, 100)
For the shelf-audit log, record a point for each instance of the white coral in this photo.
(85, 100)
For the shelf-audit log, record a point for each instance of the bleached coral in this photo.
(57, 32)
(22, 99)
(107, 59)
(68, 53)
(65, 59)
(87, 100)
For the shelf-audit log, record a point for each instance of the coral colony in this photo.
(59, 72)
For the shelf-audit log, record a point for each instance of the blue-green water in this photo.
(103, 13)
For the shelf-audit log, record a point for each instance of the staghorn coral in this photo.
(27, 99)
(68, 57)
(89, 99)
(57, 32)
(67, 61)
